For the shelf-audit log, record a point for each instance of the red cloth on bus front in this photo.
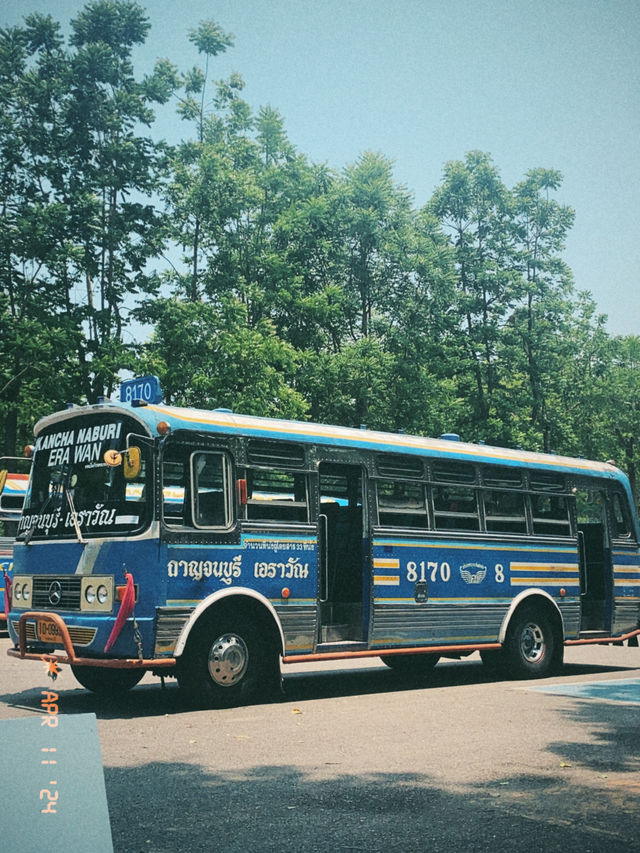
(126, 609)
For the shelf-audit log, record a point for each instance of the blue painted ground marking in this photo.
(56, 801)
(619, 690)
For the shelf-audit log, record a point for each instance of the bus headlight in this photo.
(21, 592)
(97, 594)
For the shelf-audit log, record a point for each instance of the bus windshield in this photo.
(90, 476)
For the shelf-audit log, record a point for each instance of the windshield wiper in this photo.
(58, 483)
(28, 536)
(74, 515)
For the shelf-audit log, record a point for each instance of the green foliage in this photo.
(210, 39)
(291, 290)
(208, 356)
(608, 405)
(78, 223)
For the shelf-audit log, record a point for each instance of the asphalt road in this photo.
(355, 759)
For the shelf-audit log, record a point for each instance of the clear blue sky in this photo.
(547, 83)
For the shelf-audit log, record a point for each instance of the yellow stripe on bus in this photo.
(567, 568)
(240, 423)
(382, 563)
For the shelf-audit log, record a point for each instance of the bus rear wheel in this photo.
(226, 662)
(411, 666)
(106, 681)
(531, 645)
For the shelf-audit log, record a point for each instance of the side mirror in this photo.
(132, 462)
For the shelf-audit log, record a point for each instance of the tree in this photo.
(36, 332)
(474, 207)
(208, 356)
(622, 404)
(111, 176)
(301, 291)
(607, 413)
(78, 222)
(362, 277)
(543, 315)
(514, 300)
(210, 40)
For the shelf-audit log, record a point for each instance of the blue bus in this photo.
(14, 476)
(219, 548)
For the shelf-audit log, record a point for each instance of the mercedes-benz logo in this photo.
(55, 593)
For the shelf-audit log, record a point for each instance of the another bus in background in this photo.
(14, 478)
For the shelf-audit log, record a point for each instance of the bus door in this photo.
(596, 570)
(343, 554)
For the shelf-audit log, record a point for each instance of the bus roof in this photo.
(223, 421)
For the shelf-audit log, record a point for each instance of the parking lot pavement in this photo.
(352, 757)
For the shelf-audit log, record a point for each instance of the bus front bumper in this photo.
(59, 630)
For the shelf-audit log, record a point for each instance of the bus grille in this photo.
(56, 593)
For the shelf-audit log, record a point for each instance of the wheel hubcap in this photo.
(532, 643)
(228, 660)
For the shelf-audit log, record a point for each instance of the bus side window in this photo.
(401, 504)
(505, 511)
(550, 515)
(455, 508)
(277, 496)
(175, 477)
(455, 502)
(210, 489)
(621, 526)
(549, 506)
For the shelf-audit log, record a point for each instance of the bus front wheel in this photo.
(106, 681)
(225, 662)
(531, 645)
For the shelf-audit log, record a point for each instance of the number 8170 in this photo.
(428, 571)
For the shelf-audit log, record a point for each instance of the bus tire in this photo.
(531, 646)
(106, 681)
(226, 661)
(411, 666)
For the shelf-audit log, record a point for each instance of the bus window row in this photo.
(198, 493)
(481, 497)
(462, 508)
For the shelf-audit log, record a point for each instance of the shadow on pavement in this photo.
(611, 743)
(151, 699)
(162, 808)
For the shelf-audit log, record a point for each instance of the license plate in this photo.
(48, 632)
